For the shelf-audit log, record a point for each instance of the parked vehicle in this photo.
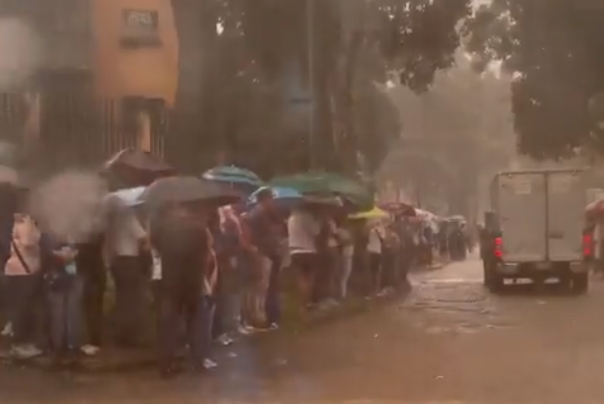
(540, 220)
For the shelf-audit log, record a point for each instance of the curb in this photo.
(121, 361)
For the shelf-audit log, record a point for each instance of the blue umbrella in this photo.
(233, 175)
(283, 195)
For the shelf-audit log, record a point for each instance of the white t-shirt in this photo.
(303, 230)
(374, 245)
(332, 241)
(124, 234)
(346, 238)
(156, 274)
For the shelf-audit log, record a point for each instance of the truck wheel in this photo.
(580, 283)
(566, 282)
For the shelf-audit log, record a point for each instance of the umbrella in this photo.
(424, 214)
(317, 183)
(184, 189)
(375, 213)
(130, 196)
(330, 201)
(133, 167)
(281, 194)
(139, 160)
(400, 208)
(233, 175)
(595, 209)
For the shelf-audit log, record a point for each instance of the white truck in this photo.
(540, 232)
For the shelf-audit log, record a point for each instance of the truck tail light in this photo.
(498, 247)
(588, 245)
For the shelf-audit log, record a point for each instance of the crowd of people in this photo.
(204, 274)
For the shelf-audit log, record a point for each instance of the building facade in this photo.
(105, 78)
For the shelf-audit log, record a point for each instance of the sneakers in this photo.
(246, 329)
(7, 331)
(209, 364)
(224, 340)
(25, 351)
(90, 350)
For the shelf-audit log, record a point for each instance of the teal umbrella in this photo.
(233, 175)
(320, 183)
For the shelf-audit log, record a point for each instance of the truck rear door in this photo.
(566, 206)
(521, 207)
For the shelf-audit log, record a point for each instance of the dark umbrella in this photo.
(133, 167)
(183, 189)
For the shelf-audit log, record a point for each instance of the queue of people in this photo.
(214, 274)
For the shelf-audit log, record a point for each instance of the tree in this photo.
(259, 61)
(453, 135)
(555, 51)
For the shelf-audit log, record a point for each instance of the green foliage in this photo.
(453, 134)
(240, 81)
(555, 49)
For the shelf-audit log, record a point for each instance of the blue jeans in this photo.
(23, 301)
(227, 297)
(273, 295)
(198, 316)
(65, 309)
(130, 299)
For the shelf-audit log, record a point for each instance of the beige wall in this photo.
(150, 72)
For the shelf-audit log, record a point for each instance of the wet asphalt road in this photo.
(448, 342)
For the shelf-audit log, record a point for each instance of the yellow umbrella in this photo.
(375, 213)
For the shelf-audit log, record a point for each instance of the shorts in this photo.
(305, 263)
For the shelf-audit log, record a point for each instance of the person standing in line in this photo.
(346, 245)
(263, 222)
(180, 237)
(9, 196)
(404, 255)
(328, 258)
(390, 245)
(125, 241)
(90, 265)
(64, 291)
(226, 232)
(374, 249)
(303, 230)
(24, 285)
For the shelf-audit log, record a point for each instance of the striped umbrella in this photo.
(286, 197)
(233, 175)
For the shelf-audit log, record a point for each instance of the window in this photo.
(140, 29)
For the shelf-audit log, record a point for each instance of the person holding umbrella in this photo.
(303, 230)
(263, 223)
(179, 208)
(125, 241)
(180, 237)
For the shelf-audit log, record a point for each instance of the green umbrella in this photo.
(318, 183)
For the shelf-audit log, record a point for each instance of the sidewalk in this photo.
(112, 359)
